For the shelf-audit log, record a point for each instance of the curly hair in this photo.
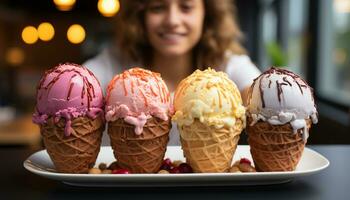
(220, 34)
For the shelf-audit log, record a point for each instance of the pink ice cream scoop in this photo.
(136, 95)
(68, 91)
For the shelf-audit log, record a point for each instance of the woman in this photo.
(175, 37)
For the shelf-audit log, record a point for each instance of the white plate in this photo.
(40, 163)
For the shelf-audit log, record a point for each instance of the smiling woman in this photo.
(175, 37)
(209, 26)
(174, 28)
(190, 33)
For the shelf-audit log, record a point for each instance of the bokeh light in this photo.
(339, 56)
(108, 8)
(342, 6)
(46, 31)
(14, 56)
(30, 35)
(76, 34)
(64, 5)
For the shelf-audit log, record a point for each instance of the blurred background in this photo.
(311, 37)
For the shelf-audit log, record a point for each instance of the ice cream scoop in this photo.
(68, 91)
(209, 96)
(210, 118)
(279, 96)
(137, 95)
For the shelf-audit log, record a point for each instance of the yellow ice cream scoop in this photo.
(209, 96)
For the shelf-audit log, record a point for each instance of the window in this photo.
(333, 80)
(284, 26)
(296, 34)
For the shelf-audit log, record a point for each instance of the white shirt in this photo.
(105, 66)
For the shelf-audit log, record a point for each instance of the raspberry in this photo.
(175, 170)
(166, 165)
(167, 161)
(185, 168)
(120, 171)
(245, 160)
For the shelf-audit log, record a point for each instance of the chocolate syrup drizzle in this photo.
(261, 94)
(87, 85)
(279, 85)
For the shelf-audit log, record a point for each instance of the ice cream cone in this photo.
(280, 111)
(77, 152)
(209, 149)
(210, 117)
(275, 147)
(142, 153)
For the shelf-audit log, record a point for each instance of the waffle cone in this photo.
(208, 149)
(77, 152)
(275, 147)
(140, 153)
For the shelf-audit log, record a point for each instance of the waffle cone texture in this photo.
(77, 152)
(208, 149)
(142, 153)
(275, 147)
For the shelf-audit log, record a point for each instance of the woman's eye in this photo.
(186, 7)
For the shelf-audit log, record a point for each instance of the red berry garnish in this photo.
(166, 165)
(185, 168)
(245, 160)
(167, 161)
(120, 171)
(175, 170)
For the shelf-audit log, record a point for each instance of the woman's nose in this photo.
(173, 17)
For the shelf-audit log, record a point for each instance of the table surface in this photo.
(331, 183)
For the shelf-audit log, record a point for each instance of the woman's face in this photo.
(174, 27)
